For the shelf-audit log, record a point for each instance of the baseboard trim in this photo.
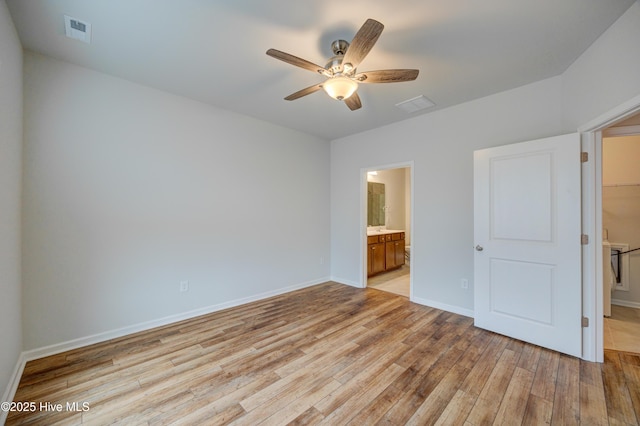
(346, 282)
(426, 302)
(625, 303)
(120, 332)
(443, 306)
(12, 387)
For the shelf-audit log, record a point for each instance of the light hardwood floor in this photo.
(329, 354)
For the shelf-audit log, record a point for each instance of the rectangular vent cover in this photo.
(76, 29)
(415, 104)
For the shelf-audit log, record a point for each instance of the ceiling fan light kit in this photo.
(342, 80)
(340, 87)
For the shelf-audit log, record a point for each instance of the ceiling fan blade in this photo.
(304, 92)
(362, 42)
(294, 60)
(386, 76)
(353, 102)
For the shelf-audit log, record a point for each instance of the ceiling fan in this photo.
(342, 78)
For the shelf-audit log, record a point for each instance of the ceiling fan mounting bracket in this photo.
(339, 47)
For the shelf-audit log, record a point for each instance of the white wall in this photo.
(10, 182)
(606, 75)
(621, 204)
(129, 190)
(620, 158)
(441, 144)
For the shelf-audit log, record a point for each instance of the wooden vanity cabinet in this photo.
(375, 255)
(385, 252)
(394, 251)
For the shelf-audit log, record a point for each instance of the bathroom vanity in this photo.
(385, 250)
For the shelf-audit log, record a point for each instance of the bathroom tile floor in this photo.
(396, 282)
(622, 329)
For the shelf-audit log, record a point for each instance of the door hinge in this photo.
(584, 239)
(584, 157)
(585, 322)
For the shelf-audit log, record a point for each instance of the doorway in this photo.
(621, 235)
(593, 271)
(388, 218)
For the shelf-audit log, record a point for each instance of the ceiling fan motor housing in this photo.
(339, 48)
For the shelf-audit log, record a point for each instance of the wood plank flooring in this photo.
(329, 354)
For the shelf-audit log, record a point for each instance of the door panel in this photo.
(530, 297)
(515, 193)
(527, 231)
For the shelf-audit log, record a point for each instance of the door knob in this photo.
(479, 248)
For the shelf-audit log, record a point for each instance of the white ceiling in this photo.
(214, 51)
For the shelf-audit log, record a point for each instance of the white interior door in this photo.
(527, 229)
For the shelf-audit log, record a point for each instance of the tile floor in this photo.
(396, 282)
(622, 329)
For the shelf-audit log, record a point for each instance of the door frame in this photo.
(592, 286)
(363, 217)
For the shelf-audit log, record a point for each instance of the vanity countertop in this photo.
(371, 232)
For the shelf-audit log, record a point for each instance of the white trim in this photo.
(597, 285)
(124, 331)
(12, 387)
(621, 131)
(411, 220)
(363, 226)
(613, 116)
(443, 306)
(346, 282)
(592, 296)
(626, 303)
(616, 185)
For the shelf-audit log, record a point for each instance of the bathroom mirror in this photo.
(375, 205)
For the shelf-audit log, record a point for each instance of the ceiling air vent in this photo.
(76, 29)
(415, 104)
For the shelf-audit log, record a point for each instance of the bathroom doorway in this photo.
(387, 260)
(621, 235)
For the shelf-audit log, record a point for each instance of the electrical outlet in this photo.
(184, 286)
(322, 260)
(464, 283)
